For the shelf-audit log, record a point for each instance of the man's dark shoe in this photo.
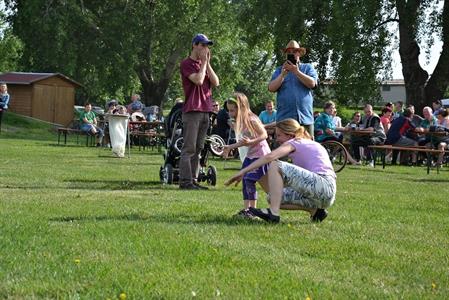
(200, 186)
(266, 216)
(319, 215)
(188, 186)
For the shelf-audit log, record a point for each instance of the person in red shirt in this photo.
(198, 79)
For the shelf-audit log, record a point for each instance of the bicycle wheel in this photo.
(216, 144)
(337, 154)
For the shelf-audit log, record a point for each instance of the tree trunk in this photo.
(154, 91)
(419, 91)
(415, 77)
(439, 81)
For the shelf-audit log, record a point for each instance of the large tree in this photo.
(10, 47)
(340, 36)
(422, 89)
(113, 47)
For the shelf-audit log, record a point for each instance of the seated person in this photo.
(325, 129)
(398, 135)
(153, 113)
(429, 120)
(89, 123)
(135, 104)
(355, 122)
(268, 118)
(416, 119)
(399, 110)
(375, 134)
(385, 118)
(337, 122)
(437, 105)
(137, 115)
(442, 143)
(215, 107)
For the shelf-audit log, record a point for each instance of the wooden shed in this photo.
(45, 96)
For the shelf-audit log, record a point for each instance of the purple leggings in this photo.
(249, 180)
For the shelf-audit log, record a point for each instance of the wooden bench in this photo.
(66, 131)
(383, 149)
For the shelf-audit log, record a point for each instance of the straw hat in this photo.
(294, 45)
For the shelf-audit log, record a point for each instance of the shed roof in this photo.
(26, 78)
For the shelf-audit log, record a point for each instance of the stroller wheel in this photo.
(211, 177)
(167, 174)
(216, 143)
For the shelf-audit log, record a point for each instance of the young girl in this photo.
(250, 133)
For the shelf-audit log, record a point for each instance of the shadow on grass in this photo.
(115, 184)
(68, 145)
(166, 219)
(435, 180)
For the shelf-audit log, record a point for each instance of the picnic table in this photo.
(153, 132)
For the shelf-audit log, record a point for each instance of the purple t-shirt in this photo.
(311, 156)
(197, 97)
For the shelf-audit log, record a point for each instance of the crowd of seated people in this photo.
(89, 121)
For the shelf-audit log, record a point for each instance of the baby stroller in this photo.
(169, 171)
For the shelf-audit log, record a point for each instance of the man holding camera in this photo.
(198, 79)
(293, 82)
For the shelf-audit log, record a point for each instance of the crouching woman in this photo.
(308, 183)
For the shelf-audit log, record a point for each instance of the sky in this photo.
(429, 66)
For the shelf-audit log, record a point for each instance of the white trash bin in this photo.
(118, 129)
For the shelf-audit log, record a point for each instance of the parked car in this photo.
(99, 111)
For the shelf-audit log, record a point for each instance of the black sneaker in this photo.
(98, 145)
(245, 214)
(319, 215)
(268, 216)
(188, 186)
(200, 186)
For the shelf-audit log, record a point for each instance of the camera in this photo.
(291, 57)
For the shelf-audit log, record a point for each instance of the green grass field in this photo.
(76, 223)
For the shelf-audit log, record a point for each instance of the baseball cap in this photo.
(112, 102)
(201, 39)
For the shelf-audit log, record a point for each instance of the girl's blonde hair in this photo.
(292, 127)
(245, 117)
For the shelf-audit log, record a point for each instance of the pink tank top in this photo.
(258, 150)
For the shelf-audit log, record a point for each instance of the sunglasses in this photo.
(292, 51)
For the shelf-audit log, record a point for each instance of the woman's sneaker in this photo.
(319, 215)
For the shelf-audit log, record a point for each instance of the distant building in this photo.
(45, 96)
(389, 90)
(393, 90)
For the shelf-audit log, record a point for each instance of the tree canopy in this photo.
(116, 48)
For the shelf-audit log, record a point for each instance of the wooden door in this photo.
(43, 102)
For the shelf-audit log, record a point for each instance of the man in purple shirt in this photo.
(198, 79)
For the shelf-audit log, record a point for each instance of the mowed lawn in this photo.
(76, 223)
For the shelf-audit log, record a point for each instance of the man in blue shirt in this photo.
(293, 82)
(268, 116)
